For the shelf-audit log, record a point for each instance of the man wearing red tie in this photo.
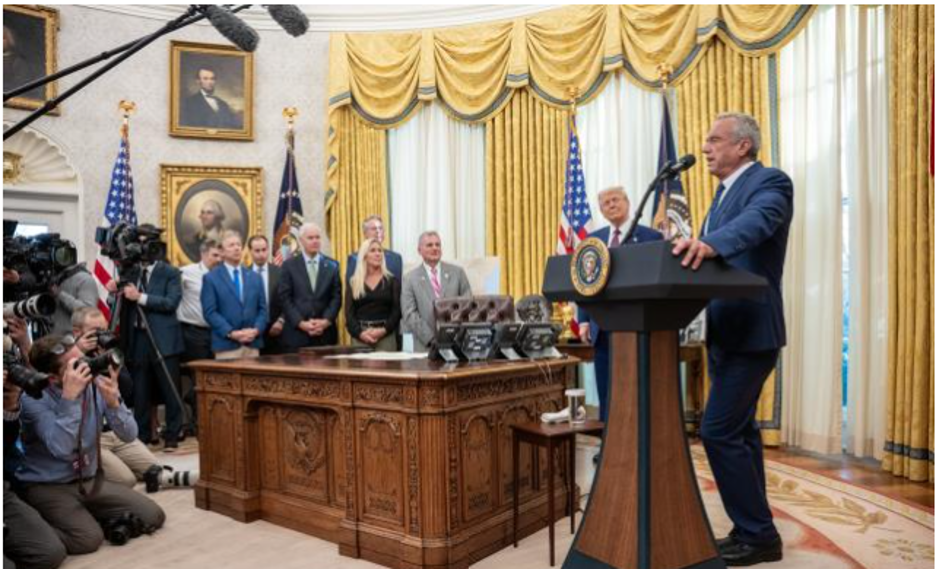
(432, 280)
(615, 207)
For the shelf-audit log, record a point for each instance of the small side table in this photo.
(550, 436)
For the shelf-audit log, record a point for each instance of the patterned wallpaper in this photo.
(288, 72)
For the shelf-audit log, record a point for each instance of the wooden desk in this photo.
(407, 464)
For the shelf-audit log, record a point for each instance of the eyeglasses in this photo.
(62, 347)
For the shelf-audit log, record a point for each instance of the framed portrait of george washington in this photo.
(202, 202)
(29, 53)
(211, 91)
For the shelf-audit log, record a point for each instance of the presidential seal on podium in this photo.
(591, 266)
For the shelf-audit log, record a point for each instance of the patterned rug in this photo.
(825, 523)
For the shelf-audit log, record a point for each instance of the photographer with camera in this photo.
(61, 446)
(75, 290)
(150, 291)
(123, 462)
(29, 541)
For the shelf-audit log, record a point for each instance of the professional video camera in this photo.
(131, 247)
(41, 261)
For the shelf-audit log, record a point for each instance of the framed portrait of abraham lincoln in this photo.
(211, 91)
(202, 202)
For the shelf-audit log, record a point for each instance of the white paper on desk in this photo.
(381, 356)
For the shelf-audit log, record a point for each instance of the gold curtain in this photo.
(526, 148)
(357, 164)
(473, 68)
(725, 80)
(909, 443)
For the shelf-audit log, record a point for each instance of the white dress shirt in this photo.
(212, 102)
(190, 309)
(624, 228)
(727, 183)
(146, 276)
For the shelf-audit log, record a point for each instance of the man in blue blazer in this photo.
(158, 291)
(310, 289)
(374, 229)
(747, 225)
(234, 302)
(615, 207)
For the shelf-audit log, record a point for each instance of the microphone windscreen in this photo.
(688, 161)
(233, 28)
(290, 18)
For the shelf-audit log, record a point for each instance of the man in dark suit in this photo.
(270, 274)
(747, 225)
(373, 228)
(310, 288)
(205, 109)
(158, 294)
(615, 207)
(234, 303)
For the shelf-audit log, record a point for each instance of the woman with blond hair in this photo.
(372, 303)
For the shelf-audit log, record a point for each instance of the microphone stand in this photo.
(126, 50)
(666, 173)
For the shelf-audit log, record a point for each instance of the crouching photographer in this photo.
(123, 462)
(28, 540)
(60, 472)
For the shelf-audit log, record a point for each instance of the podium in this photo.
(645, 509)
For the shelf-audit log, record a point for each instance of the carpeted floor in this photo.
(825, 523)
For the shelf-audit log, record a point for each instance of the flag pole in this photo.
(126, 108)
(290, 114)
(665, 70)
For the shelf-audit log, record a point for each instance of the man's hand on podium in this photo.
(696, 251)
(585, 333)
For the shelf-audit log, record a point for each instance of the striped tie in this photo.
(436, 285)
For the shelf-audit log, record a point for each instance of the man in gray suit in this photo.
(432, 280)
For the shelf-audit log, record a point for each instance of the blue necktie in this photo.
(716, 203)
(237, 283)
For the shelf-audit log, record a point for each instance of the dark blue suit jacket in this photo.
(394, 265)
(163, 295)
(642, 234)
(750, 230)
(224, 310)
(300, 303)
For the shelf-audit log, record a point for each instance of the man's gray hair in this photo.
(426, 234)
(208, 245)
(309, 226)
(368, 220)
(618, 189)
(745, 127)
(231, 233)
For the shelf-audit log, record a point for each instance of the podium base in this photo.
(576, 559)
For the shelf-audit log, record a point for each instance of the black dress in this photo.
(381, 304)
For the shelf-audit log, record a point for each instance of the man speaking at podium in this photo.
(747, 225)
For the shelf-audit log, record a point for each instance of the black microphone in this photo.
(290, 18)
(231, 27)
(674, 167)
(670, 170)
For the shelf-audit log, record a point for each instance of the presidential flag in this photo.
(288, 211)
(672, 217)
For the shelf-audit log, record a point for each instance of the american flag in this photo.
(119, 208)
(576, 221)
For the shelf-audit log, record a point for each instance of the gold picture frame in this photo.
(211, 91)
(32, 35)
(200, 202)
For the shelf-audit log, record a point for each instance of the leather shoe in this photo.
(725, 543)
(171, 445)
(742, 554)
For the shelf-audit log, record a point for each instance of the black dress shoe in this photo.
(742, 554)
(725, 543)
(171, 444)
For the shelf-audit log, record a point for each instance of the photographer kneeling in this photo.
(61, 437)
(123, 462)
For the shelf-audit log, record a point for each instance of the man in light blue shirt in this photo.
(60, 435)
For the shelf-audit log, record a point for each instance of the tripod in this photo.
(116, 310)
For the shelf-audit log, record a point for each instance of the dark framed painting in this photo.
(29, 52)
(202, 202)
(211, 91)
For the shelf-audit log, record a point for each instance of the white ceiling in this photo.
(340, 18)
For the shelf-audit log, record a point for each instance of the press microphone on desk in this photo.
(670, 170)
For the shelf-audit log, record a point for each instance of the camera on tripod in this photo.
(130, 247)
